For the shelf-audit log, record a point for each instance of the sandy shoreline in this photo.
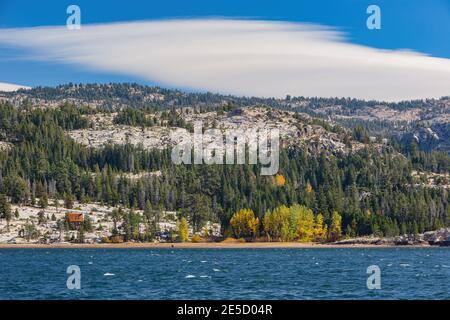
(207, 245)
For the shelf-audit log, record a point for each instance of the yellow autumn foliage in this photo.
(296, 223)
(244, 224)
(302, 221)
(183, 230)
(280, 180)
(320, 228)
(276, 224)
(196, 238)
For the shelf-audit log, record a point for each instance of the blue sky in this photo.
(417, 25)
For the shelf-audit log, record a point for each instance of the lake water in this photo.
(406, 273)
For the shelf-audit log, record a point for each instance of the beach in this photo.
(203, 245)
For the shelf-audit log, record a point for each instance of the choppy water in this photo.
(406, 273)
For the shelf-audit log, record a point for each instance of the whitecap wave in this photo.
(404, 264)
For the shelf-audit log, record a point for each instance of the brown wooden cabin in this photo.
(75, 217)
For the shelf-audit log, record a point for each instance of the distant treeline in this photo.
(135, 95)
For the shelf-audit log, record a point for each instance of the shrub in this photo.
(196, 238)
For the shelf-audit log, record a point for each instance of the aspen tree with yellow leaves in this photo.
(183, 230)
(244, 224)
(276, 224)
(302, 223)
(296, 223)
(320, 228)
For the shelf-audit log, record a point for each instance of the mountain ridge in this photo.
(425, 121)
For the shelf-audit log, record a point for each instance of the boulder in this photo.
(438, 237)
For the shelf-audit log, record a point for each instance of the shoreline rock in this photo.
(439, 237)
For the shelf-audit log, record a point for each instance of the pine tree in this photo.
(68, 201)
(43, 201)
(5, 210)
(335, 228)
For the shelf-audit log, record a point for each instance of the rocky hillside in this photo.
(427, 122)
(295, 129)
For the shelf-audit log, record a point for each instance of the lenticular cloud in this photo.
(243, 57)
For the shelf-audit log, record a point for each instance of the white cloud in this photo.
(259, 58)
(11, 87)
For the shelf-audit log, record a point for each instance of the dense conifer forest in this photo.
(373, 191)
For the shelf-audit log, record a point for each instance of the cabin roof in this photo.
(75, 217)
